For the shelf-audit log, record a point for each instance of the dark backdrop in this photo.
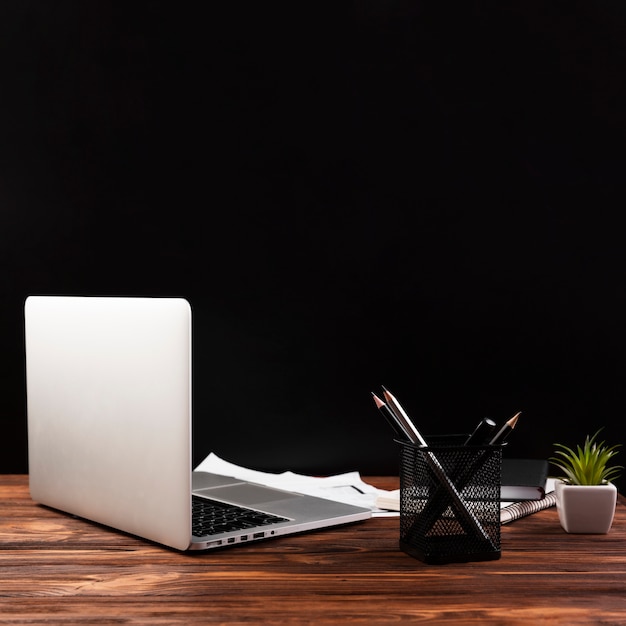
(425, 195)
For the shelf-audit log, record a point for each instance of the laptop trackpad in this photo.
(247, 495)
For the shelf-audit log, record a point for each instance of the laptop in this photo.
(108, 383)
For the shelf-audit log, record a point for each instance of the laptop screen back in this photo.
(109, 411)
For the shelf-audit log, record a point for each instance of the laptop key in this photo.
(211, 517)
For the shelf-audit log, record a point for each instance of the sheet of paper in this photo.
(348, 487)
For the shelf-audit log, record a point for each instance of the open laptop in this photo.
(108, 383)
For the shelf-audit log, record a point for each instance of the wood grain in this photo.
(55, 568)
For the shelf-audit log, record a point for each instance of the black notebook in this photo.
(523, 479)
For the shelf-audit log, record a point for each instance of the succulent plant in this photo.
(587, 465)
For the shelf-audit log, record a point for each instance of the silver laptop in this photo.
(108, 384)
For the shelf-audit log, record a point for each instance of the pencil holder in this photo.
(450, 501)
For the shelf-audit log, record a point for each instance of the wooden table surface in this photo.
(55, 568)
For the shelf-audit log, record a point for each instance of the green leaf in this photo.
(588, 464)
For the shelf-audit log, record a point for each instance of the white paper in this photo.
(348, 488)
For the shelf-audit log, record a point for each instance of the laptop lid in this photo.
(109, 411)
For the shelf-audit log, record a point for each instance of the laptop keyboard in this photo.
(210, 517)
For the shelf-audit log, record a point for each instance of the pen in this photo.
(481, 432)
(506, 429)
(390, 416)
(497, 439)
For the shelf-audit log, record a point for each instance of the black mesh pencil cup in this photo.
(450, 501)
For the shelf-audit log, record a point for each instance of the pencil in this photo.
(506, 429)
(391, 418)
(403, 418)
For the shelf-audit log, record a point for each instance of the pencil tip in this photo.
(514, 419)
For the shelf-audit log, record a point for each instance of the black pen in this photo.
(506, 429)
(390, 416)
(481, 433)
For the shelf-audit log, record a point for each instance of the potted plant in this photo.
(585, 495)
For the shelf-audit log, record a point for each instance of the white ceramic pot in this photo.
(586, 509)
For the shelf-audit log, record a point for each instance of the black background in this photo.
(424, 195)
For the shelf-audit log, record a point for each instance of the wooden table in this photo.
(58, 569)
